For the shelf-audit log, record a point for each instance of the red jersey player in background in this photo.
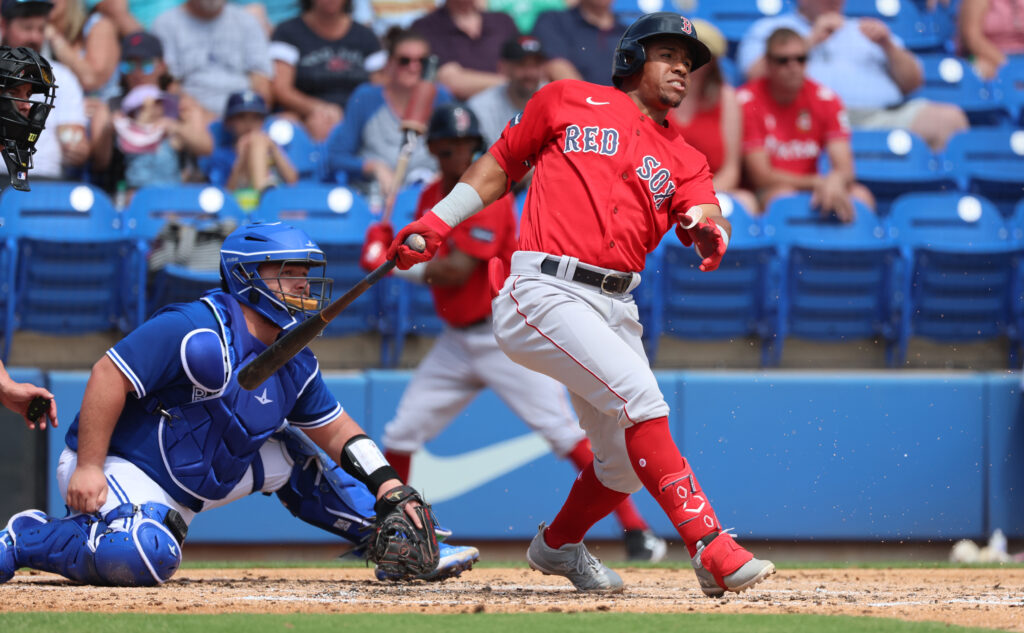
(788, 120)
(612, 176)
(466, 358)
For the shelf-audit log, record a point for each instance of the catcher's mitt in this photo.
(397, 546)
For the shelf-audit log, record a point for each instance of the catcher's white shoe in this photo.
(573, 561)
(455, 559)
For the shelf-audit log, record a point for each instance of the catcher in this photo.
(165, 432)
(23, 73)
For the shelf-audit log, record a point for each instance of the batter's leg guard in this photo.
(322, 494)
(132, 546)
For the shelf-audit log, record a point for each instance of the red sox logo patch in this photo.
(685, 25)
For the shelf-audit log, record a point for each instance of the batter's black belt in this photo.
(608, 283)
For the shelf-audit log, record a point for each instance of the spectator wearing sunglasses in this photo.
(864, 63)
(364, 148)
(181, 122)
(788, 121)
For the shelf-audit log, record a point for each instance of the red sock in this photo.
(626, 512)
(401, 462)
(589, 501)
(668, 478)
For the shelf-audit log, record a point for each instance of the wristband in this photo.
(690, 218)
(462, 202)
(363, 460)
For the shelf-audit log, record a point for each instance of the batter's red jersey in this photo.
(609, 181)
(489, 233)
(793, 134)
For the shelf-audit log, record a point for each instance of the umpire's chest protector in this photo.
(208, 444)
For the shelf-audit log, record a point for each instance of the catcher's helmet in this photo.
(630, 56)
(19, 132)
(250, 246)
(454, 121)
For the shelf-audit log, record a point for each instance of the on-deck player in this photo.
(165, 432)
(612, 177)
(466, 357)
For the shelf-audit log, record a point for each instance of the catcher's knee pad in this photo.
(322, 494)
(141, 545)
(133, 546)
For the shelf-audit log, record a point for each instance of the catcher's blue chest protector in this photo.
(197, 438)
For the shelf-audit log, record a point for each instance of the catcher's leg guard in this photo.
(322, 494)
(132, 546)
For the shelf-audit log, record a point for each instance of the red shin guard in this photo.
(667, 476)
(626, 512)
(589, 501)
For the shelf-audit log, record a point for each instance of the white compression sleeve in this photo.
(462, 202)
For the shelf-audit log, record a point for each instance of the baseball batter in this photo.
(466, 358)
(612, 177)
(165, 432)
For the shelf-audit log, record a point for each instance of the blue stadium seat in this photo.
(737, 300)
(953, 80)
(407, 307)
(961, 258)
(989, 163)
(1011, 81)
(337, 218)
(894, 162)
(837, 280)
(305, 154)
(921, 30)
(150, 209)
(732, 17)
(71, 256)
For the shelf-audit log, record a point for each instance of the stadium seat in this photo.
(894, 162)
(953, 80)
(989, 163)
(961, 261)
(337, 218)
(71, 255)
(305, 154)
(921, 30)
(837, 280)
(8, 257)
(1011, 81)
(732, 17)
(203, 207)
(737, 300)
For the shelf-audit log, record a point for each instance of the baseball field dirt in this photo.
(990, 598)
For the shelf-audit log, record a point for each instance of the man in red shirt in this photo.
(788, 120)
(466, 357)
(613, 175)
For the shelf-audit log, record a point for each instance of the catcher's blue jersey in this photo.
(194, 438)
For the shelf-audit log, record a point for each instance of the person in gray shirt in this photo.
(522, 63)
(214, 49)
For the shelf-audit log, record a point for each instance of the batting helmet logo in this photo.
(686, 26)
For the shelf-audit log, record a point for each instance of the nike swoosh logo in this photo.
(591, 101)
(444, 478)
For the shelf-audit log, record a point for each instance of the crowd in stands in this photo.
(156, 92)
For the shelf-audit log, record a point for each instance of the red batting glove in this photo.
(378, 237)
(708, 239)
(433, 230)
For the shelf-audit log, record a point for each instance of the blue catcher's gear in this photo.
(250, 246)
(133, 546)
(630, 55)
(320, 493)
(206, 360)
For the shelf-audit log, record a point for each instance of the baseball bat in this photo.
(259, 369)
(414, 124)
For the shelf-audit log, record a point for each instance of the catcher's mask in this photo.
(251, 246)
(19, 132)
